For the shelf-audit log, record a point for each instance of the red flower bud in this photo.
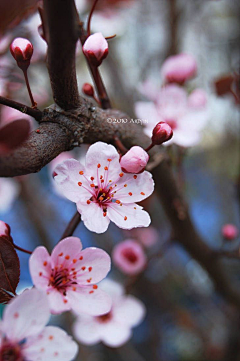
(88, 89)
(161, 133)
(4, 230)
(95, 48)
(22, 50)
(229, 232)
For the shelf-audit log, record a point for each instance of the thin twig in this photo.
(72, 225)
(33, 112)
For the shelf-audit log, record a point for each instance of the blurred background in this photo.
(186, 319)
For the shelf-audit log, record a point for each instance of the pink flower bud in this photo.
(129, 257)
(179, 68)
(88, 89)
(229, 232)
(95, 48)
(135, 160)
(4, 229)
(22, 51)
(161, 133)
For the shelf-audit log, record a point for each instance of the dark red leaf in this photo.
(5, 297)
(14, 11)
(13, 135)
(9, 266)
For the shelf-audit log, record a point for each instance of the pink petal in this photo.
(114, 334)
(89, 300)
(172, 102)
(40, 267)
(185, 138)
(147, 111)
(25, 315)
(86, 330)
(128, 216)
(129, 311)
(139, 187)
(96, 263)
(51, 344)
(57, 302)
(92, 217)
(99, 153)
(66, 251)
(114, 289)
(67, 178)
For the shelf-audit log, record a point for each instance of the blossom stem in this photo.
(90, 17)
(120, 145)
(72, 225)
(33, 112)
(34, 104)
(150, 147)
(21, 249)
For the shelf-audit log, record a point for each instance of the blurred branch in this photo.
(173, 24)
(33, 112)
(72, 225)
(232, 255)
(61, 24)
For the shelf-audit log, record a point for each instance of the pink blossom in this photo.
(179, 68)
(23, 335)
(4, 229)
(95, 48)
(113, 328)
(229, 231)
(69, 276)
(22, 50)
(172, 107)
(135, 160)
(147, 236)
(102, 191)
(129, 257)
(53, 164)
(8, 115)
(197, 99)
(9, 191)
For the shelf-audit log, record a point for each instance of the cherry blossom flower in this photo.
(135, 160)
(23, 335)
(179, 68)
(95, 48)
(102, 191)
(172, 107)
(129, 257)
(229, 232)
(113, 328)
(9, 191)
(69, 276)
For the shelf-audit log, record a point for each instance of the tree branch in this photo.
(61, 24)
(33, 112)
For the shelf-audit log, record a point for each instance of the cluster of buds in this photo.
(22, 51)
(95, 49)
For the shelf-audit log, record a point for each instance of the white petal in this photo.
(26, 315)
(51, 344)
(114, 334)
(57, 302)
(128, 216)
(129, 311)
(86, 331)
(92, 217)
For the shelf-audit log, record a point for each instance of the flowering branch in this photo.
(33, 112)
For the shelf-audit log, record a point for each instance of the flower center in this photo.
(105, 318)
(11, 352)
(61, 279)
(130, 255)
(172, 123)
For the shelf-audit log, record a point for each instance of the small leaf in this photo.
(9, 266)
(5, 297)
(13, 135)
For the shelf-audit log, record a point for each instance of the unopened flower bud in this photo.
(88, 89)
(229, 232)
(95, 48)
(161, 133)
(4, 229)
(22, 51)
(135, 160)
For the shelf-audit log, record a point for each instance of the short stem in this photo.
(34, 104)
(96, 100)
(150, 147)
(35, 113)
(72, 225)
(21, 249)
(90, 17)
(101, 90)
(120, 145)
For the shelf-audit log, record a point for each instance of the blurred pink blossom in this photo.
(129, 257)
(113, 328)
(102, 191)
(23, 334)
(197, 99)
(147, 236)
(135, 160)
(173, 108)
(179, 68)
(69, 276)
(230, 231)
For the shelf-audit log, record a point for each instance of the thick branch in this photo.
(62, 31)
